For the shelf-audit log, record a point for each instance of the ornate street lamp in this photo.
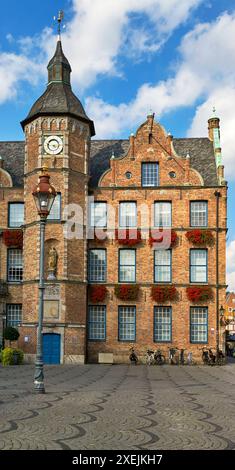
(44, 195)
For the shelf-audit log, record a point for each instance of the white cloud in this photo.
(206, 71)
(14, 68)
(93, 40)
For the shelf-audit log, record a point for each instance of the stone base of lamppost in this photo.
(39, 378)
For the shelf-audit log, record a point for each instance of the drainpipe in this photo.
(217, 195)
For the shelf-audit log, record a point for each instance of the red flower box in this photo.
(156, 237)
(127, 291)
(200, 237)
(199, 293)
(129, 237)
(163, 293)
(13, 238)
(98, 293)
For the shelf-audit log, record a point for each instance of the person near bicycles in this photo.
(133, 356)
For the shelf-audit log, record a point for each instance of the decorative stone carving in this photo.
(52, 263)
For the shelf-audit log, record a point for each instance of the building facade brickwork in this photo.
(151, 181)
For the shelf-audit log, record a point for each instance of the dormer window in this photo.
(149, 174)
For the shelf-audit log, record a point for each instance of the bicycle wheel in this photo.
(160, 360)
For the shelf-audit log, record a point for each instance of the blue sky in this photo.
(175, 57)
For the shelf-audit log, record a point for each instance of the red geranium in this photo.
(199, 293)
(98, 293)
(128, 236)
(164, 293)
(200, 237)
(13, 238)
(127, 291)
(156, 237)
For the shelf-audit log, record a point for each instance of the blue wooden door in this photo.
(51, 348)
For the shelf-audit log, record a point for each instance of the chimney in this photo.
(214, 136)
(213, 125)
(1, 162)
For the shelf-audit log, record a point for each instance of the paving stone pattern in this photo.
(118, 407)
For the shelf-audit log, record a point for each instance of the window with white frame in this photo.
(199, 325)
(162, 266)
(15, 214)
(127, 214)
(14, 265)
(162, 214)
(97, 265)
(14, 315)
(97, 323)
(98, 214)
(149, 174)
(162, 324)
(126, 323)
(198, 266)
(198, 213)
(127, 265)
(55, 212)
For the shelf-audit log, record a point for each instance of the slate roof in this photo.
(200, 150)
(13, 160)
(58, 99)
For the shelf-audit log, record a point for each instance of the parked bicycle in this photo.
(133, 356)
(208, 357)
(173, 356)
(186, 358)
(155, 357)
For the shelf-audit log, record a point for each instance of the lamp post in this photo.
(4, 322)
(44, 195)
(221, 313)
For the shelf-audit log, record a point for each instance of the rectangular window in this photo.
(162, 214)
(97, 265)
(15, 265)
(97, 323)
(198, 266)
(55, 213)
(127, 214)
(198, 213)
(127, 266)
(149, 174)
(126, 323)
(162, 266)
(98, 214)
(15, 214)
(198, 324)
(162, 324)
(14, 315)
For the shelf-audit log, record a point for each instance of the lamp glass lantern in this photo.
(44, 195)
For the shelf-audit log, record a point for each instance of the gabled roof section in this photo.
(201, 152)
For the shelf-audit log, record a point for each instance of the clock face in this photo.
(53, 144)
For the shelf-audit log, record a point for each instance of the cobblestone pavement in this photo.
(118, 407)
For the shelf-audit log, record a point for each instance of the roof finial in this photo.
(214, 110)
(59, 21)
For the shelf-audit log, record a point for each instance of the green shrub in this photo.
(11, 334)
(8, 356)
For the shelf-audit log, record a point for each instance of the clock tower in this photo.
(57, 135)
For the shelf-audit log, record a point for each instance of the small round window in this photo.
(128, 175)
(172, 174)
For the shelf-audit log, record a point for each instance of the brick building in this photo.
(108, 295)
